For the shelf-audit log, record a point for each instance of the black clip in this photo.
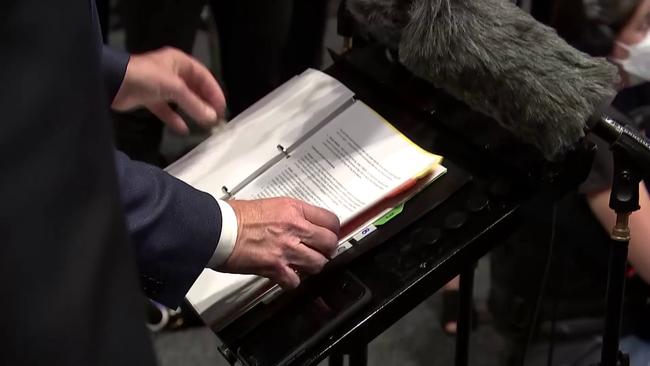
(283, 151)
(224, 189)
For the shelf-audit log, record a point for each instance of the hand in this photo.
(168, 75)
(278, 237)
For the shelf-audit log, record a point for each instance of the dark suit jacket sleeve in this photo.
(114, 64)
(175, 228)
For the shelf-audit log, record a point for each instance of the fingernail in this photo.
(211, 113)
(221, 124)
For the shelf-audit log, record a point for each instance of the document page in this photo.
(353, 162)
(347, 166)
(237, 150)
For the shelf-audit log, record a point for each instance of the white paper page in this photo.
(350, 164)
(224, 292)
(250, 140)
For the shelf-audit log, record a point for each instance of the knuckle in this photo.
(178, 86)
(302, 227)
(293, 241)
(170, 50)
(172, 89)
(292, 224)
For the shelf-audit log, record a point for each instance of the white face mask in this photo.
(637, 64)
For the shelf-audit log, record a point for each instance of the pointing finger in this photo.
(306, 260)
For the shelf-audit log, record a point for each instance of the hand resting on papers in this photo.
(280, 237)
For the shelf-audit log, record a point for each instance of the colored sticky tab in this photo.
(365, 232)
(389, 215)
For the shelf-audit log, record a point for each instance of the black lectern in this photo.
(442, 231)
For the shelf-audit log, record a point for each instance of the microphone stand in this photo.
(624, 200)
(631, 156)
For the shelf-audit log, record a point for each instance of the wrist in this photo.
(121, 99)
(227, 237)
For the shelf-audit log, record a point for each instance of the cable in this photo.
(542, 287)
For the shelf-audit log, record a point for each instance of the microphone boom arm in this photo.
(623, 141)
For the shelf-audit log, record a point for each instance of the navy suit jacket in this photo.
(68, 266)
(68, 278)
(174, 227)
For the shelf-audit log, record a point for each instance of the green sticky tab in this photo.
(389, 215)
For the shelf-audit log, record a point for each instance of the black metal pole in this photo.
(615, 292)
(624, 200)
(465, 314)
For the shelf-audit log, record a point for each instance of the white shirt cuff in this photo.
(228, 236)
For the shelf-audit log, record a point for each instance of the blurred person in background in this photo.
(571, 315)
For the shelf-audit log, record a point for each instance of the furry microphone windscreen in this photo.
(498, 60)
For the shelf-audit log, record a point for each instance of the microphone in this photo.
(499, 61)
(632, 144)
